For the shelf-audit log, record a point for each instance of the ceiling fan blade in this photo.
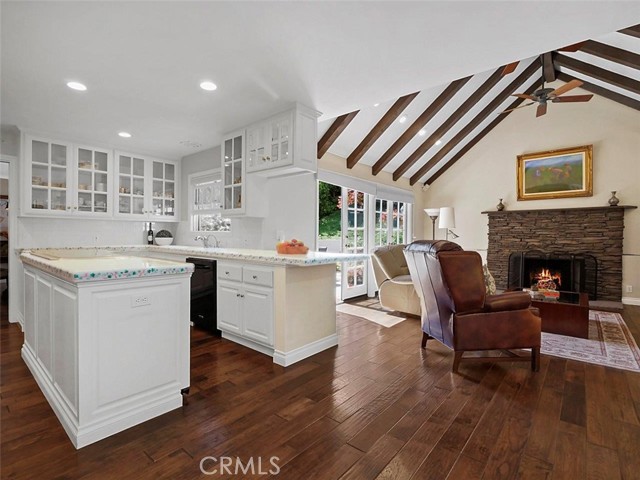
(516, 108)
(522, 95)
(573, 47)
(509, 68)
(541, 110)
(566, 87)
(573, 98)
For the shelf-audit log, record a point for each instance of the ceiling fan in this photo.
(544, 95)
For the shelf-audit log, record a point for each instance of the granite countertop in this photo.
(256, 256)
(79, 269)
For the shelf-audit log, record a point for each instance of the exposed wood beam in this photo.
(603, 92)
(478, 137)
(460, 112)
(417, 125)
(336, 128)
(599, 73)
(486, 111)
(613, 54)
(632, 31)
(548, 69)
(385, 122)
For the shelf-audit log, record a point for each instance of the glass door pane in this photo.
(354, 240)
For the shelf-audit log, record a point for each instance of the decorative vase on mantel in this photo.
(500, 206)
(613, 201)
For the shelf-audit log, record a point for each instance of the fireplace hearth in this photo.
(568, 272)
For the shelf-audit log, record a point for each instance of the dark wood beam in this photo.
(599, 73)
(336, 128)
(632, 31)
(385, 122)
(548, 69)
(613, 54)
(460, 112)
(527, 73)
(417, 125)
(603, 92)
(478, 137)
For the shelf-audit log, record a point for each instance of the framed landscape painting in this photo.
(556, 174)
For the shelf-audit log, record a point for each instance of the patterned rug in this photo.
(610, 343)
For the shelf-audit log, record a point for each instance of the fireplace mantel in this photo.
(597, 231)
(608, 208)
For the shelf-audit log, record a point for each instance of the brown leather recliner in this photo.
(457, 312)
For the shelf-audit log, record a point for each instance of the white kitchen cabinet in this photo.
(64, 179)
(241, 194)
(284, 143)
(245, 304)
(146, 188)
(107, 354)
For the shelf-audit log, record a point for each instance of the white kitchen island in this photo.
(106, 338)
(107, 331)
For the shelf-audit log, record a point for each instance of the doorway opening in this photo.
(4, 238)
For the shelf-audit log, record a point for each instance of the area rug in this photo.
(610, 343)
(376, 315)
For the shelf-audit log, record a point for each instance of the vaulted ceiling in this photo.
(421, 135)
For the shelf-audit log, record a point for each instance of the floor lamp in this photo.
(447, 221)
(433, 215)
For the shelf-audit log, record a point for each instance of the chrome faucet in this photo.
(206, 242)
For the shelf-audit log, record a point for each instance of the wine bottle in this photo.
(150, 234)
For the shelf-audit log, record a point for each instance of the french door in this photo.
(354, 240)
(390, 225)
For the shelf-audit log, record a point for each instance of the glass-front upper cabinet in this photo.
(164, 188)
(66, 179)
(131, 185)
(233, 173)
(280, 128)
(146, 187)
(93, 181)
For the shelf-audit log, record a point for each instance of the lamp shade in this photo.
(447, 218)
(432, 212)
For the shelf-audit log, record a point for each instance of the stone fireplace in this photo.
(589, 238)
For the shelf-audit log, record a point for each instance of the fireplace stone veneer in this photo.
(596, 231)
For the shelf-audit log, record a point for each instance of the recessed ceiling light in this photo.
(125, 134)
(376, 104)
(402, 119)
(209, 86)
(76, 86)
(438, 142)
(422, 132)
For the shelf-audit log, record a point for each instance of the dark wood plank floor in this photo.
(375, 407)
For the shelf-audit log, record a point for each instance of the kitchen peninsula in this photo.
(107, 331)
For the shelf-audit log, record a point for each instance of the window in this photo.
(391, 226)
(205, 203)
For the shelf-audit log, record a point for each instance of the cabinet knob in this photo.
(237, 294)
(226, 273)
(68, 208)
(254, 277)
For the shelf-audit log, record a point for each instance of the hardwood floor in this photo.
(375, 407)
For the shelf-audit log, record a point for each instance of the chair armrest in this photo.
(507, 301)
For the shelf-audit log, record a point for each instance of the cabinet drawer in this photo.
(230, 272)
(258, 276)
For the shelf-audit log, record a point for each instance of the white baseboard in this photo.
(288, 358)
(631, 301)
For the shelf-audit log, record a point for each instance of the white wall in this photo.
(488, 171)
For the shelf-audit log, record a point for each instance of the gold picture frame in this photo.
(563, 173)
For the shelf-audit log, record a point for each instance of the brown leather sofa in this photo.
(395, 288)
(457, 312)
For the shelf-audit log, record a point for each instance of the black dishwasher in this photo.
(204, 295)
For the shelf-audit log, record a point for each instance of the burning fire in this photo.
(547, 280)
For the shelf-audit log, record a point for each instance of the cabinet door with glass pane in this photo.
(92, 181)
(233, 178)
(280, 135)
(163, 189)
(48, 179)
(131, 185)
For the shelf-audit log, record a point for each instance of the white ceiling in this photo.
(143, 61)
